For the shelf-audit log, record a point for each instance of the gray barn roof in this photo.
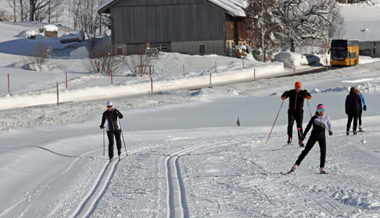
(231, 7)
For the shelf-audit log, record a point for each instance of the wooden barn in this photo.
(184, 26)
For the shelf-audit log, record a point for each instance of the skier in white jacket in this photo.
(320, 122)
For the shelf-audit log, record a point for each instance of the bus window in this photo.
(352, 55)
(339, 53)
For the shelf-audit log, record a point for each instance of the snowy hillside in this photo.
(361, 21)
(186, 155)
(190, 159)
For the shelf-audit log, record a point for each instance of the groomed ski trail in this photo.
(89, 203)
(176, 195)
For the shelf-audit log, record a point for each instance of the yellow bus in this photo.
(344, 52)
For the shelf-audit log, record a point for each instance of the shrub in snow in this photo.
(291, 59)
(4, 16)
(38, 60)
(103, 61)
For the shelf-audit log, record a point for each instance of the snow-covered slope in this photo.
(190, 159)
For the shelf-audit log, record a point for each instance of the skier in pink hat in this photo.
(320, 122)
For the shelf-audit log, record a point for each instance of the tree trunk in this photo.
(32, 7)
(49, 11)
(14, 11)
(21, 10)
(292, 48)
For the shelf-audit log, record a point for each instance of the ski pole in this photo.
(122, 136)
(104, 143)
(309, 107)
(274, 122)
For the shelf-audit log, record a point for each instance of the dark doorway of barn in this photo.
(202, 49)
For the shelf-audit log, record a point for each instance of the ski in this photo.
(289, 172)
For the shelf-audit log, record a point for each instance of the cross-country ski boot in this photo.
(289, 140)
(322, 170)
(292, 169)
(301, 143)
(360, 129)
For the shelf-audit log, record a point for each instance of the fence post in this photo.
(215, 68)
(151, 79)
(210, 81)
(254, 74)
(294, 69)
(66, 79)
(9, 84)
(57, 94)
(327, 67)
(243, 62)
(183, 69)
(111, 76)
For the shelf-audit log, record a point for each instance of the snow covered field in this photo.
(188, 158)
(186, 155)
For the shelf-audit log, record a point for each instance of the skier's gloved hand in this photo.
(101, 127)
(330, 132)
(365, 108)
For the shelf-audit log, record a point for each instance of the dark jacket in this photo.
(353, 103)
(111, 117)
(296, 99)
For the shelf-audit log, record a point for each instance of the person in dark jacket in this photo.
(113, 128)
(353, 107)
(295, 112)
(361, 111)
(320, 122)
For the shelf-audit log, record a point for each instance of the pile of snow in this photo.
(49, 28)
(291, 59)
(72, 37)
(31, 34)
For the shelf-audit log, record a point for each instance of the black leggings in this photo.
(298, 117)
(353, 116)
(360, 118)
(111, 135)
(310, 143)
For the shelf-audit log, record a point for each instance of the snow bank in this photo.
(291, 59)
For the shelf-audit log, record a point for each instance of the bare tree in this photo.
(20, 10)
(13, 4)
(85, 16)
(290, 23)
(308, 20)
(40, 10)
(266, 26)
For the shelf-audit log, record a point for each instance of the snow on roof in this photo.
(49, 28)
(104, 5)
(232, 7)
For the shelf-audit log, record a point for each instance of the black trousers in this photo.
(352, 116)
(360, 118)
(111, 135)
(310, 143)
(298, 117)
